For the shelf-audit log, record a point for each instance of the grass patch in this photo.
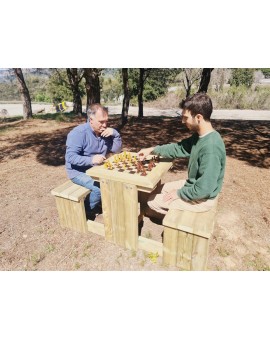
(59, 116)
(223, 252)
(10, 119)
(255, 262)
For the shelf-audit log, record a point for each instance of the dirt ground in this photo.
(32, 164)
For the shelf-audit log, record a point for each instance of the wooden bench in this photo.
(186, 234)
(70, 205)
(186, 238)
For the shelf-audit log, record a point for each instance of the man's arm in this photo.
(115, 137)
(74, 148)
(172, 150)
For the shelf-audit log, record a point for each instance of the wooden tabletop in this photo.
(144, 183)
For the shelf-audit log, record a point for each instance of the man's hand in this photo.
(143, 153)
(98, 159)
(170, 196)
(107, 132)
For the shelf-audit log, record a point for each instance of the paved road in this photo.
(17, 110)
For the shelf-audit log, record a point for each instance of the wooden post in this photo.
(120, 212)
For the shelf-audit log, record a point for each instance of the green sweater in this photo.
(206, 167)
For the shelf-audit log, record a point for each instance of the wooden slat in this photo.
(96, 227)
(70, 191)
(118, 212)
(71, 214)
(170, 240)
(199, 253)
(184, 250)
(150, 246)
(58, 190)
(130, 195)
(106, 209)
(197, 223)
(79, 193)
(78, 216)
(60, 204)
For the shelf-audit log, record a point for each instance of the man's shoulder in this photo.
(79, 129)
(212, 142)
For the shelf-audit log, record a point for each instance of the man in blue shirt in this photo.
(87, 146)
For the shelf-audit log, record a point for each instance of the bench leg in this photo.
(71, 214)
(184, 250)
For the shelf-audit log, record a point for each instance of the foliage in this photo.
(156, 84)
(241, 97)
(190, 78)
(242, 76)
(111, 87)
(37, 86)
(59, 89)
(153, 257)
(266, 72)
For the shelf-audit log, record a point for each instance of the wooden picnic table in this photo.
(123, 198)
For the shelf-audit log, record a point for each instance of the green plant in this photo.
(242, 76)
(50, 248)
(255, 262)
(153, 257)
(223, 252)
(36, 258)
(77, 265)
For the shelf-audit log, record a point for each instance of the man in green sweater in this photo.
(207, 158)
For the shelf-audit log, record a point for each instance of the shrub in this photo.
(242, 76)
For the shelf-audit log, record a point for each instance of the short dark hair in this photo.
(199, 103)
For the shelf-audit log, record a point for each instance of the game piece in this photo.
(130, 164)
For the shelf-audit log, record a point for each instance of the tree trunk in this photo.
(92, 86)
(140, 93)
(205, 79)
(74, 81)
(187, 85)
(125, 106)
(27, 108)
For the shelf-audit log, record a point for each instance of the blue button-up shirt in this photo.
(82, 144)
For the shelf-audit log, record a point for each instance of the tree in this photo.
(266, 72)
(242, 76)
(150, 83)
(66, 85)
(205, 79)
(125, 106)
(75, 76)
(92, 85)
(220, 77)
(27, 108)
(191, 76)
(58, 86)
(144, 73)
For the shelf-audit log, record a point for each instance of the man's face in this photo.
(190, 122)
(99, 122)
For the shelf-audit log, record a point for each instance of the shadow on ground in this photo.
(245, 140)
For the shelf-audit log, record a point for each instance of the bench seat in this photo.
(70, 205)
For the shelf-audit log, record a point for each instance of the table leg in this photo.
(120, 213)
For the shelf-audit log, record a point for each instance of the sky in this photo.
(148, 34)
